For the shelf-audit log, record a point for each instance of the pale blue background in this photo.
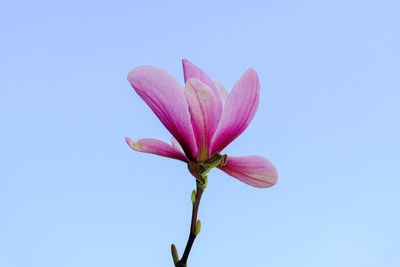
(72, 193)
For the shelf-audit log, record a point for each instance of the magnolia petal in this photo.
(203, 110)
(240, 108)
(165, 96)
(222, 92)
(175, 144)
(157, 147)
(192, 71)
(252, 170)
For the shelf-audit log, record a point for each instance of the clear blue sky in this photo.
(73, 194)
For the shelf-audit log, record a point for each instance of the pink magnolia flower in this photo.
(202, 118)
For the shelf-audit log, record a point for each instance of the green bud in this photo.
(205, 182)
(193, 197)
(198, 227)
(174, 253)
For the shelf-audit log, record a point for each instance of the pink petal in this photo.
(252, 170)
(222, 92)
(192, 71)
(240, 108)
(166, 98)
(157, 147)
(203, 109)
(175, 144)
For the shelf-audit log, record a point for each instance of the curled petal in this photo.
(157, 147)
(203, 109)
(165, 96)
(252, 170)
(240, 108)
(192, 71)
